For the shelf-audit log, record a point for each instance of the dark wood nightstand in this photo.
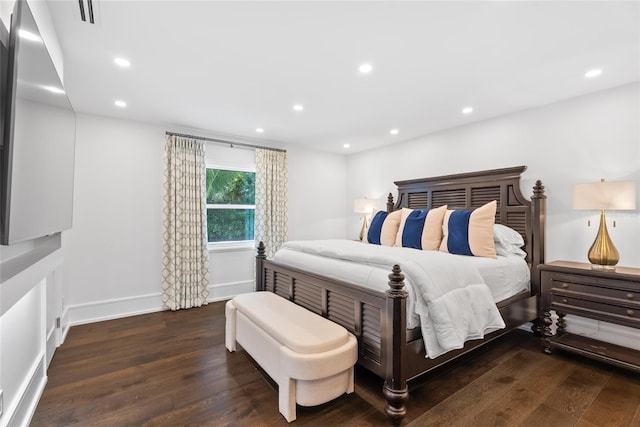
(609, 296)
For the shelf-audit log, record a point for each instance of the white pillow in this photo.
(508, 241)
(507, 236)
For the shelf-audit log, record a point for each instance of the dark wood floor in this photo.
(171, 369)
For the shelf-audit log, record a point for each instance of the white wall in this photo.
(113, 254)
(114, 249)
(317, 191)
(578, 140)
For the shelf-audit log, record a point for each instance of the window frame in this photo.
(231, 245)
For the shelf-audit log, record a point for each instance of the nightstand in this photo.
(609, 296)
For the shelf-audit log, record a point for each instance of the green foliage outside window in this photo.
(229, 225)
(236, 188)
(231, 187)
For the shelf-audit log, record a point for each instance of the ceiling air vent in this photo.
(86, 11)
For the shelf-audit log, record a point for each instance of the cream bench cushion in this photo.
(293, 326)
(309, 357)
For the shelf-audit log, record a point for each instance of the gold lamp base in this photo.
(603, 255)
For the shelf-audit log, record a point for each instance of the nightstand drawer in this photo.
(629, 314)
(610, 297)
(620, 289)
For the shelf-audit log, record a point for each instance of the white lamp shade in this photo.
(605, 195)
(363, 205)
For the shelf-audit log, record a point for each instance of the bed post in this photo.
(395, 386)
(539, 207)
(260, 257)
(390, 203)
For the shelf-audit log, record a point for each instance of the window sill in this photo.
(248, 245)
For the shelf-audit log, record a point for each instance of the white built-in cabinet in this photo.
(30, 306)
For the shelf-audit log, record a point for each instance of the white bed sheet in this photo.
(506, 276)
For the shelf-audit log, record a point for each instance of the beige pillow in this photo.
(432, 232)
(470, 232)
(390, 228)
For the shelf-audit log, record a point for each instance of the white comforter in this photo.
(449, 296)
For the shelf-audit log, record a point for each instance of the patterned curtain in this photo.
(271, 199)
(185, 262)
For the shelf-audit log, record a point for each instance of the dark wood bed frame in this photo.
(378, 320)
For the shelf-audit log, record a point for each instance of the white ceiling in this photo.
(230, 67)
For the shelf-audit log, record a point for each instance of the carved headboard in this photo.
(474, 189)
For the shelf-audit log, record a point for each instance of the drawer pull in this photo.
(564, 301)
(630, 312)
(630, 295)
(565, 286)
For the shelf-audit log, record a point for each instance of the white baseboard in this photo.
(51, 345)
(21, 413)
(64, 325)
(98, 311)
(229, 290)
(608, 332)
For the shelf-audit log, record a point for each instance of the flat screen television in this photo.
(38, 146)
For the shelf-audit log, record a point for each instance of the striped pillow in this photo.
(421, 229)
(383, 228)
(470, 232)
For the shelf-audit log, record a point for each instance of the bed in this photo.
(379, 318)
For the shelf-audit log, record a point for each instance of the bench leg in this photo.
(351, 386)
(287, 398)
(230, 326)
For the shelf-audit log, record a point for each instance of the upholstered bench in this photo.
(309, 357)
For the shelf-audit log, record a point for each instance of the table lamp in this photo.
(604, 196)
(364, 207)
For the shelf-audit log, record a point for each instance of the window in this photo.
(230, 205)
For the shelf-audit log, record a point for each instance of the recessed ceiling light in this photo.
(393, 131)
(347, 145)
(120, 104)
(29, 36)
(298, 107)
(365, 68)
(467, 110)
(593, 73)
(122, 62)
(53, 89)
(259, 130)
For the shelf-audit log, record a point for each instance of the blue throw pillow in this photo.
(373, 235)
(413, 226)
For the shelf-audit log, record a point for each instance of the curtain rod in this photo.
(221, 141)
